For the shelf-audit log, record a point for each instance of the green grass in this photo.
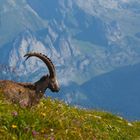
(55, 120)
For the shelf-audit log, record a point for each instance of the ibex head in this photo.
(47, 81)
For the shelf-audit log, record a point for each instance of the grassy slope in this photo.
(52, 119)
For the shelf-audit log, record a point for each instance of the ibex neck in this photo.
(42, 84)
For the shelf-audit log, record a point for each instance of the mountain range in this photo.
(93, 45)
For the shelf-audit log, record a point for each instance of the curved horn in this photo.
(45, 59)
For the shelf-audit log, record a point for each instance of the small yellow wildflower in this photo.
(66, 131)
(41, 103)
(130, 124)
(42, 131)
(43, 114)
(14, 126)
(98, 117)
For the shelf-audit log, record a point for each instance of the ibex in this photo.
(28, 94)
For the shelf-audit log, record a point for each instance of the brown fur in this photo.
(23, 94)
